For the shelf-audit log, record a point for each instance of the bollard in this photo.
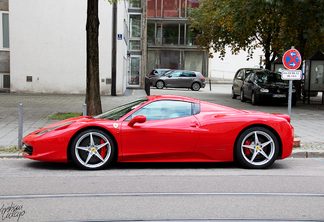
(210, 84)
(84, 113)
(20, 126)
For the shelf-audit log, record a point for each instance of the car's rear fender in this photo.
(69, 157)
(267, 127)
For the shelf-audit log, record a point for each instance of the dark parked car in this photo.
(266, 86)
(180, 79)
(238, 79)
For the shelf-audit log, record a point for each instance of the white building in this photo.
(48, 46)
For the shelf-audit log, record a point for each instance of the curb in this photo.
(11, 155)
(294, 154)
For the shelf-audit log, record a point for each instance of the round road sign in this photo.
(292, 59)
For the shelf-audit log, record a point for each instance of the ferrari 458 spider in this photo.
(165, 129)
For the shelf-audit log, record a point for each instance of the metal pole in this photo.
(289, 97)
(210, 84)
(84, 110)
(113, 53)
(20, 126)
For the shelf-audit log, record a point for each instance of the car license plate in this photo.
(279, 95)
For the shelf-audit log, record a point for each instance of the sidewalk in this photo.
(308, 124)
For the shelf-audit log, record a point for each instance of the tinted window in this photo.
(166, 109)
(248, 77)
(264, 77)
(190, 74)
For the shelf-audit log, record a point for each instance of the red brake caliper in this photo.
(247, 150)
(103, 150)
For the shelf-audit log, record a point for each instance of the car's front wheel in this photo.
(254, 99)
(195, 86)
(242, 96)
(92, 149)
(159, 85)
(256, 148)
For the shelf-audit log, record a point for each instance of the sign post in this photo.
(292, 61)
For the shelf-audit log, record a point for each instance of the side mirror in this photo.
(169, 76)
(137, 119)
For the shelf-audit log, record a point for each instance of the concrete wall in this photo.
(224, 70)
(48, 43)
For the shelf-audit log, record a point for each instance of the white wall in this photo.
(122, 59)
(224, 70)
(48, 42)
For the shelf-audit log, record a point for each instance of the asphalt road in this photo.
(291, 189)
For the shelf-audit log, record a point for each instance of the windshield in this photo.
(120, 111)
(268, 78)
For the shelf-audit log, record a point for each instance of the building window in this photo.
(171, 34)
(135, 4)
(170, 8)
(135, 25)
(133, 78)
(4, 81)
(135, 45)
(5, 30)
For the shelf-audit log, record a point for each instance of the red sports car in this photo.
(165, 129)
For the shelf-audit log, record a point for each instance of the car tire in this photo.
(254, 100)
(242, 96)
(256, 148)
(92, 149)
(195, 86)
(233, 94)
(159, 85)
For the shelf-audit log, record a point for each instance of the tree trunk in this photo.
(93, 99)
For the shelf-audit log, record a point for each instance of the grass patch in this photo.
(13, 149)
(63, 116)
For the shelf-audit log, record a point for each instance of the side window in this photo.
(248, 77)
(166, 109)
(176, 74)
(240, 75)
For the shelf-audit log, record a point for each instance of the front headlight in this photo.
(293, 90)
(53, 128)
(264, 90)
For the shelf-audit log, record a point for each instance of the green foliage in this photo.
(273, 25)
(13, 149)
(62, 116)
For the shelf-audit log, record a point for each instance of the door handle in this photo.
(193, 124)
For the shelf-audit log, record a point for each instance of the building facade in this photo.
(48, 45)
(4, 46)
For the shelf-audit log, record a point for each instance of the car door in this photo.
(170, 131)
(247, 86)
(187, 78)
(173, 79)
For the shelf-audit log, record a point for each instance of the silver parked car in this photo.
(180, 79)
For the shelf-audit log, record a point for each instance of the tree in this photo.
(93, 99)
(273, 25)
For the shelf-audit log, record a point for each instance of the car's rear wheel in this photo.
(233, 94)
(254, 99)
(256, 148)
(92, 149)
(242, 96)
(195, 86)
(159, 85)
